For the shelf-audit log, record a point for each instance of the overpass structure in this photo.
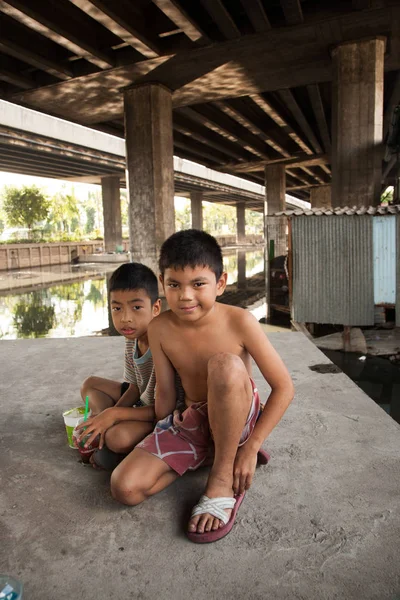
(293, 94)
(36, 144)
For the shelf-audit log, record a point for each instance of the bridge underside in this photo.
(294, 94)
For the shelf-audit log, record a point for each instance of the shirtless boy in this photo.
(210, 345)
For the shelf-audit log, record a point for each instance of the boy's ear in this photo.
(221, 284)
(156, 307)
(161, 279)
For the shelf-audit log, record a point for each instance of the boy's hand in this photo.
(98, 426)
(243, 469)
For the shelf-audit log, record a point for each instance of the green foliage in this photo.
(254, 223)
(26, 206)
(64, 211)
(33, 316)
(183, 217)
(219, 219)
(2, 226)
(90, 219)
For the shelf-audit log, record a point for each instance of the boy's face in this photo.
(132, 312)
(191, 293)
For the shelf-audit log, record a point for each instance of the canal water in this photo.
(71, 301)
(375, 375)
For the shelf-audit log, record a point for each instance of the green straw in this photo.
(86, 408)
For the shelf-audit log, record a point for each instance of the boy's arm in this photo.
(165, 401)
(111, 416)
(130, 396)
(282, 392)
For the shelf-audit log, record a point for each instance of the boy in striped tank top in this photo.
(123, 414)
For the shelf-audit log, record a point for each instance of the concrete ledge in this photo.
(320, 522)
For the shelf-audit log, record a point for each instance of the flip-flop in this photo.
(263, 457)
(106, 459)
(215, 507)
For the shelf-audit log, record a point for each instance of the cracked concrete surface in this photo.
(321, 522)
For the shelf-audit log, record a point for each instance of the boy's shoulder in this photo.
(160, 320)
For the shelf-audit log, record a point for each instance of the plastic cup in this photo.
(85, 453)
(10, 588)
(71, 420)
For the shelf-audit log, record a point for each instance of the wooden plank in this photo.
(279, 120)
(34, 59)
(256, 13)
(15, 79)
(318, 108)
(303, 329)
(57, 32)
(237, 116)
(292, 11)
(179, 16)
(225, 129)
(118, 25)
(209, 140)
(222, 18)
(291, 103)
(293, 162)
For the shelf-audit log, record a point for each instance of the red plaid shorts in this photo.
(183, 440)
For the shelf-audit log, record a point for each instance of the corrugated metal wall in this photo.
(384, 246)
(333, 270)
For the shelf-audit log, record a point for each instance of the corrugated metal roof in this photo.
(343, 210)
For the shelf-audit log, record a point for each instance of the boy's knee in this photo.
(87, 384)
(123, 491)
(226, 369)
(116, 439)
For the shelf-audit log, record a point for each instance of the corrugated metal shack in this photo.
(344, 263)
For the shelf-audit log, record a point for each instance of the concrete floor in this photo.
(322, 521)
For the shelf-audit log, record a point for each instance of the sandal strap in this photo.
(214, 507)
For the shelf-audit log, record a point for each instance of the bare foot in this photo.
(216, 488)
(94, 465)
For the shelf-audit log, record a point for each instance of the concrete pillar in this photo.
(275, 188)
(240, 222)
(149, 150)
(357, 122)
(320, 197)
(111, 212)
(241, 267)
(197, 209)
(275, 227)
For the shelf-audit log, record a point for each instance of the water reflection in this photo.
(34, 315)
(376, 376)
(74, 308)
(68, 310)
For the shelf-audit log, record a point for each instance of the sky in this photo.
(52, 186)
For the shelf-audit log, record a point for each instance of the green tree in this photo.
(33, 315)
(183, 217)
(26, 206)
(90, 219)
(64, 212)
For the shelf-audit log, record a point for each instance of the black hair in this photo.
(191, 248)
(135, 276)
